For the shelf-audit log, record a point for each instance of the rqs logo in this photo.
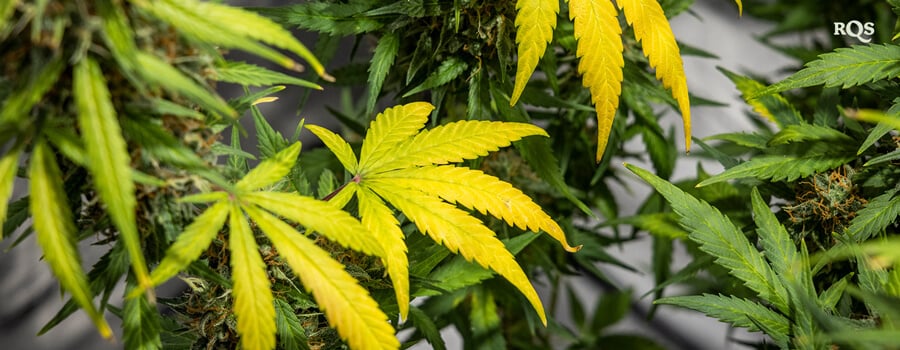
(855, 29)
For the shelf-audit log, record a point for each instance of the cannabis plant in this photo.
(818, 270)
(112, 103)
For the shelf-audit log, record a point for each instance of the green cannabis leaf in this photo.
(402, 166)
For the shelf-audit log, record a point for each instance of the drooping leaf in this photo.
(253, 301)
(845, 67)
(535, 21)
(108, 159)
(253, 75)
(382, 60)
(485, 193)
(381, 223)
(140, 324)
(779, 168)
(55, 229)
(718, 237)
(191, 243)
(652, 29)
(459, 232)
(455, 142)
(9, 165)
(880, 212)
(600, 60)
(739, 312)
(348, 306)
(388, 130)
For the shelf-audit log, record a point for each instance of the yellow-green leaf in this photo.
(652, 29)
(108, 161)
(390, 128)
(347, 305)
(485, 193)
(455, 142)
(337, 145)
(535, 21)
(254, 305)
(320, 216)
(600, 60)
(459, 232)
(191, 243)
(159, 72)
(383, 225)
(9, 164)
(270, 170)
(56, 232)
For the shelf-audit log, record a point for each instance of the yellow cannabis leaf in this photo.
(400, 165)
(599, 50)
(535, 21)
(348, 307)
(600, 59)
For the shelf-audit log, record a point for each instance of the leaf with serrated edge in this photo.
(253, 75)
(140, 324)
(718, 237)
(535, 21)
(108, 159)
(270, 170)
(347, 305)
(844, 67)
(459, 232)
(778, 168)
(455, 142)
(737, 312)
(337, 145)
(878, 214)
(320, 216)
(253, 302)
(56, 232)
(159, 72)
(195, 238)
(383, 225)
(475, 189)
(776, 242)
(600, 60)
(380, 66)
(8, 167)
(390, 128)
(652, 29)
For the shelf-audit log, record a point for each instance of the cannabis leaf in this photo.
(845, 67)
(402, 166)
(347, 305)
(600, 48)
